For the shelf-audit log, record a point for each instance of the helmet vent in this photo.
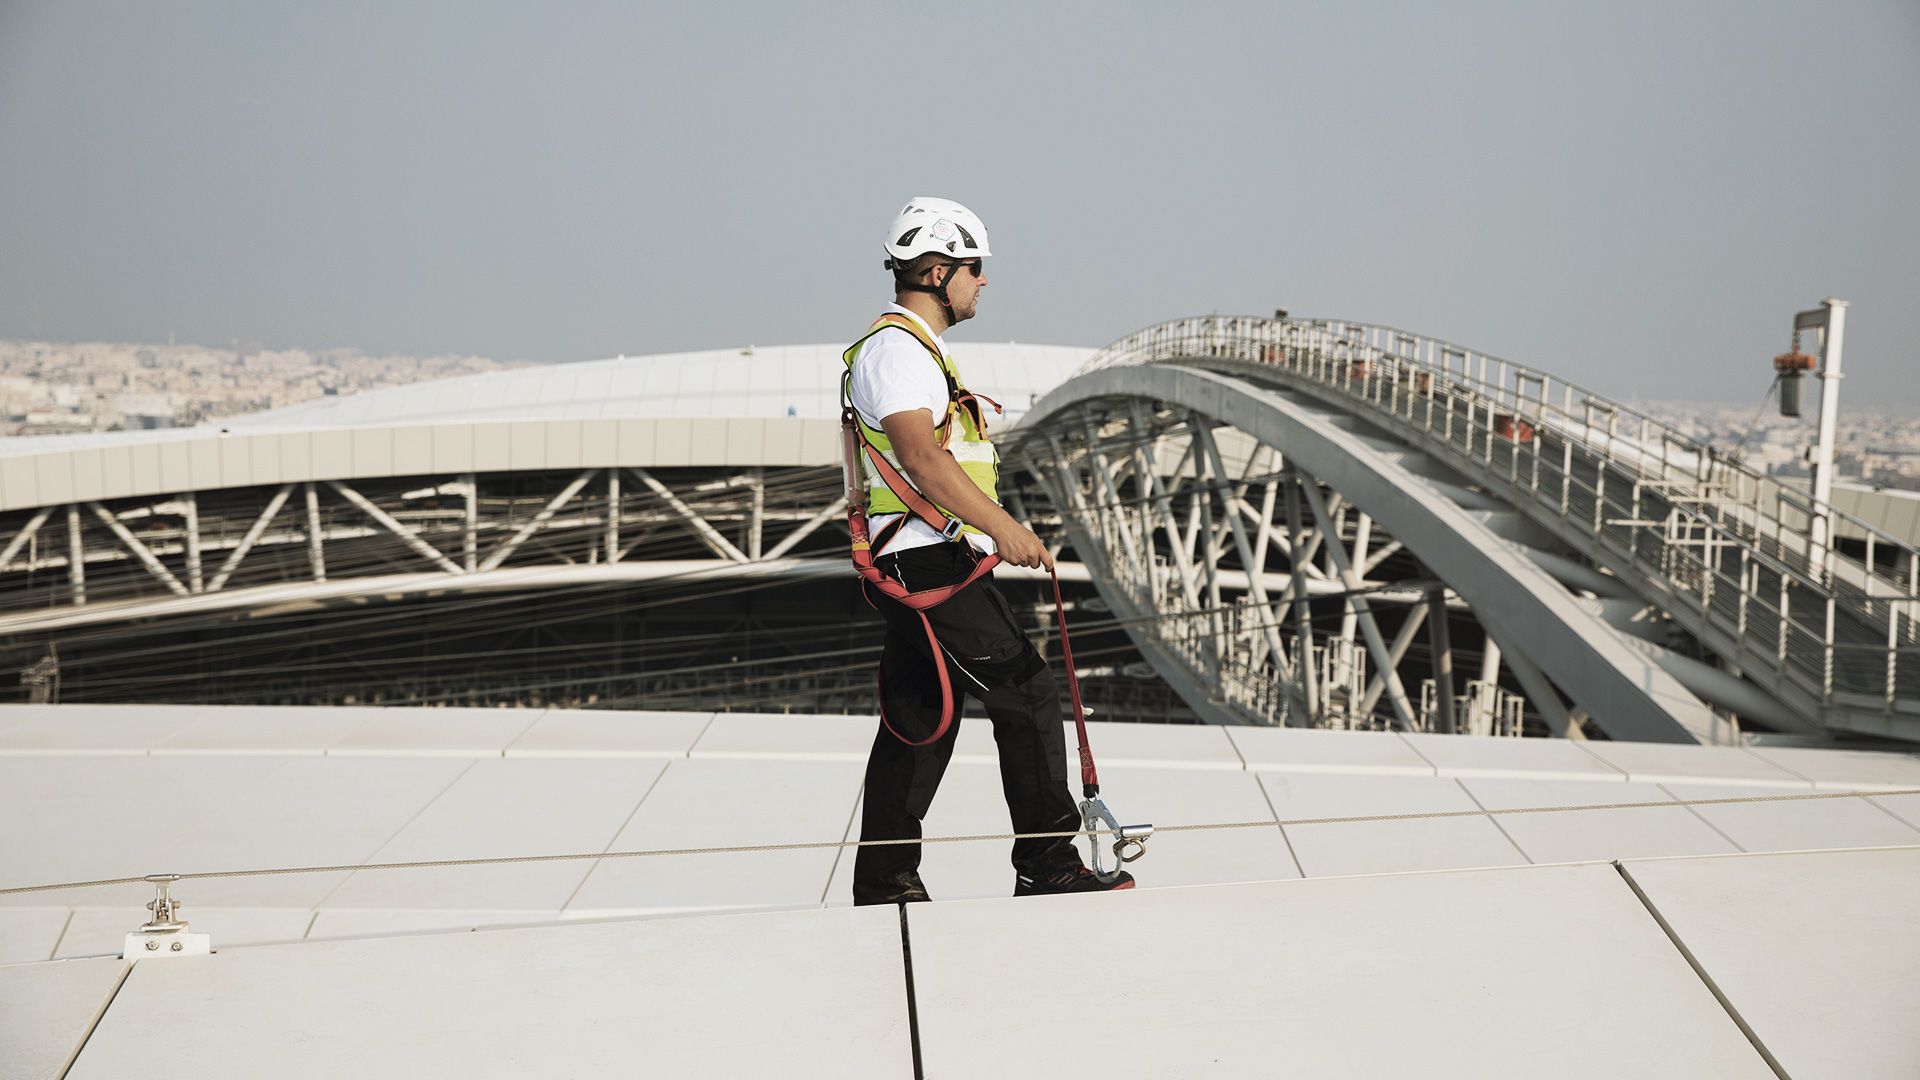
(906, 237)
(964, 235)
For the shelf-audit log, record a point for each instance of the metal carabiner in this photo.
(1129, 843)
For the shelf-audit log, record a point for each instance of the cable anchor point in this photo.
(165, 934)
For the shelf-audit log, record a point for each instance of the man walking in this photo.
(912, 406)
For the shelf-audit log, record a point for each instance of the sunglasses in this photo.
(974, 265)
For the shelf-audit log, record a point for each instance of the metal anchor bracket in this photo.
(1129, 841)
(165, 934)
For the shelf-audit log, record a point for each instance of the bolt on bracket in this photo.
(165, 934)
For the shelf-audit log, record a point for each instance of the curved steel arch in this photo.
(1610, 502)
(1626, 692)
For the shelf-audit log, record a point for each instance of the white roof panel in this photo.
(1440, 975)
(1654, 763)
(1817, 952)
(31, 933)
(1858, 770)
(506, 808)
(594, 733)
(48, 1010)
(718, 802)
(1373, 753)
(1560, 759)
(1583, 835)
(790, 994)
(1794, 826)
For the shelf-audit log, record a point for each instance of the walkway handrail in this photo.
(1507, 385)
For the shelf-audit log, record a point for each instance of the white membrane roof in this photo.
(1474, 945)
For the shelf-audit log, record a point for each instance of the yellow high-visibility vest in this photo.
(972, 449)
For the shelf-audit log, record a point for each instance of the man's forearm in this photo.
(940, 478)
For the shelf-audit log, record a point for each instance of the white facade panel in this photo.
(707, 441)
(296, 456)
(116, 471)
(492, 446)
(673, 442)
(634, 442)
(452, 448)
(745, 442)
(600, 443)
(18, 482)
(266, 458)
(563, 444)
(412, 450)
(372, 452)
(332, 454)
(782, 440)
(236, 461)
(819, 443)
(527, 440)
(88, 474)
(203, 463)
(53, 478)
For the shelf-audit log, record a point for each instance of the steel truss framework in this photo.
(1217, 546)
(201, 551)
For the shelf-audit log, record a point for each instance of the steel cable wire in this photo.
(821, 845)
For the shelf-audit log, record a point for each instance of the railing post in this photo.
(1826, 674)
(1746, 588)
(1785, 620)
(1893, 651)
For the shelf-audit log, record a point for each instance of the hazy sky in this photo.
(1636, 196)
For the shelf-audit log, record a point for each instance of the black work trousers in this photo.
(989, 659)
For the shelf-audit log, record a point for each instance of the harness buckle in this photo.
(1129, 841)
(952, 529)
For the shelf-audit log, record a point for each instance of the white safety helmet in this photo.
(941, 226)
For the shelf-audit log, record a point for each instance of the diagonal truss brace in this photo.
(532, 525)
(254, 532)
(701, 528)
(139, 550)
(387, 521)
(1370, 629)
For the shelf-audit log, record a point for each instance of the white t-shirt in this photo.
(892, 374)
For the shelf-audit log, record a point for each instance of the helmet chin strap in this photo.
(939, 291)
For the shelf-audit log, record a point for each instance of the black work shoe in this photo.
(1078, 879)
(902, 889)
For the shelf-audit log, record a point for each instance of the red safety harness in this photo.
(1130, 841)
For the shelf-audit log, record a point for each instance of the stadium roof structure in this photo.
(761, 406)
(1470, 927)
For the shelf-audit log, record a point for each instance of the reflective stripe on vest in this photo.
(972, 449)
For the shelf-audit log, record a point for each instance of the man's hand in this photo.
(1017, 545)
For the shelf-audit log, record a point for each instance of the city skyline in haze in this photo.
(1636, 197)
